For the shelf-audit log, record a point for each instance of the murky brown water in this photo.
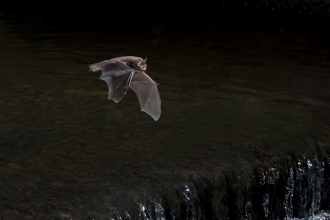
(67, 151)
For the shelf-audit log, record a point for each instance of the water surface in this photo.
(66, 151)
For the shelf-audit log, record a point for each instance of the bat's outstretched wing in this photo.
(147, 92)
(117, 75)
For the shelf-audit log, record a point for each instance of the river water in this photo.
(226, 90)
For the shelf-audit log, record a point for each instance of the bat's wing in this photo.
(117, 75)
(147, 92)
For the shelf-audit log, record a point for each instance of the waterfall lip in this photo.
(294, 192)
(323, 215)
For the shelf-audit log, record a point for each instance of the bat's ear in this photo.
(145, 60)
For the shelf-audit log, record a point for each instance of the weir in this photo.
(298, 190)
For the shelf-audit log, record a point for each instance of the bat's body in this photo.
(123, 72)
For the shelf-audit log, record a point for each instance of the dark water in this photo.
(226, 90)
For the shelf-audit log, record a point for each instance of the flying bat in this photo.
(123, 72)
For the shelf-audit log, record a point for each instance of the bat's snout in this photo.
(143, 67)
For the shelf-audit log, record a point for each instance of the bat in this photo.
(123, 72)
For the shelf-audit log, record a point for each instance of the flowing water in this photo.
(233, 97)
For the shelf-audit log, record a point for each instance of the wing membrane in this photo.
(117, 75)
(147, 93)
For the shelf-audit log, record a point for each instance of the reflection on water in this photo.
(67, 151)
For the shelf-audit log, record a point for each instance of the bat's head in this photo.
(142, 64)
